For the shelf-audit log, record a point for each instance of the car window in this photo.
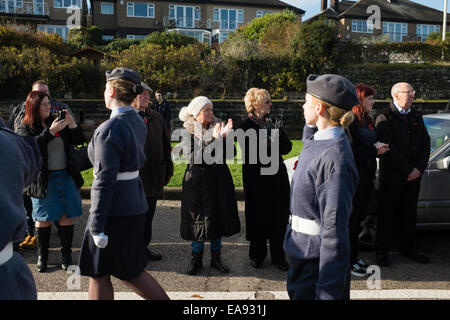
(439, 131)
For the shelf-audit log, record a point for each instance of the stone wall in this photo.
(93, 112)
(429, 82)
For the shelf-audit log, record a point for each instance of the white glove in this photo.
(100, 240)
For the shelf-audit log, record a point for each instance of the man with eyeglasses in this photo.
(402, 127)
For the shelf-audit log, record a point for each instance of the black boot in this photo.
(66, 236)
(43, 240)
(196, 263)
(216, 261)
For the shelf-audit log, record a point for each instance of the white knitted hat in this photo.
(193, 108)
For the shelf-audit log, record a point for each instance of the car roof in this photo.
(442, 116)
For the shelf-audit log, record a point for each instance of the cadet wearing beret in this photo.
(323, 185)
(113, 242)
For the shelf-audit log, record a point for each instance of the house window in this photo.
(201, 35)
(395, 30)
(423, 30)
(184, 15)
(362, 26)
(11, 6)
(61, 30)
(107, 38)
(140, 10)
(136, 36)
(228, 18)
(107, 8)
(60, 4)
(262, 13)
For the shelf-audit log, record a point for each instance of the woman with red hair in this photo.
(365, 147)
(55, 193)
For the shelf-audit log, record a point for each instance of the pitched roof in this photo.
(398, 10)
(252, 3)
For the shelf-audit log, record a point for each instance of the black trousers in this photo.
(303, 276)
(29, 209)
(360, 205)
(258, 248)
(397, 217)
(151, 202)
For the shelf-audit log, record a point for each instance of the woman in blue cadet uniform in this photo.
(266, 195)
(365, 147)
(55, 193)
(113, 243)
(18, 169)
(323, 185)
(208, 206)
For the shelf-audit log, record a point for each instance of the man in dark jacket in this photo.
(158, 169)
(401, 168)
(162, 106)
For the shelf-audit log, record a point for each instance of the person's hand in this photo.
(100, 240)
(413, 175)
(69, 119)
(226, 128)
(381, 147)
(57, 125)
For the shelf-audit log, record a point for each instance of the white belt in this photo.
(304, 225)
(127, 175)
(6, 254)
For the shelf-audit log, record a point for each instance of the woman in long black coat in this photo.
(208, 206)
(266, 196)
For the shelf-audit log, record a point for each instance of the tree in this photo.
(85, 37)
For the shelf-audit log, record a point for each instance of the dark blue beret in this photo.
(334, 89)
(123, 74)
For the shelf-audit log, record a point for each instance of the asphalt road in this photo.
(170, 271)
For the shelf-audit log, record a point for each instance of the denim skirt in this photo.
(62, 197)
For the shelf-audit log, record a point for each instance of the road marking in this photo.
(399, 294)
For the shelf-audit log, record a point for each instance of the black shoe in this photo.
(359, 269)
(256, 263)
(416, 256)
(382, 259)
(153, 256)
(196, 263)
(216, 262)
(281, 264)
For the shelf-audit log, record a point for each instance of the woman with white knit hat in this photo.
(208, 206)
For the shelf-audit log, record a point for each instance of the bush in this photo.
(9, 37)
(120, 44)
(168, 69)
(85, 37)
(167, 39)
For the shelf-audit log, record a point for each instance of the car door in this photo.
(437, 190)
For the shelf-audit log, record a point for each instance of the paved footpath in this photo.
(403, 280)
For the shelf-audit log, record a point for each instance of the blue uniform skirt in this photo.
(62, 197)
(124, 257)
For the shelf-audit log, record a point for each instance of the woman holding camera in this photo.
(55, 193)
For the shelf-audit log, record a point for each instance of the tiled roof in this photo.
(398, 10)
(253, 3)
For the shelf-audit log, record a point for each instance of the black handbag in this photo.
(78, 159)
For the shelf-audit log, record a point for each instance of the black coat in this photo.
(364, 153)
(266, 197)
(38, 187)
(158, 168)
(408, 140)
(208, 206)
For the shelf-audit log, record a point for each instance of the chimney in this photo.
(324, 5)
(335, 5)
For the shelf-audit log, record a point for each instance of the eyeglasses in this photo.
(408, 92)
(266, 101)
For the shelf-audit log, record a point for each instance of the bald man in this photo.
(401, 169)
